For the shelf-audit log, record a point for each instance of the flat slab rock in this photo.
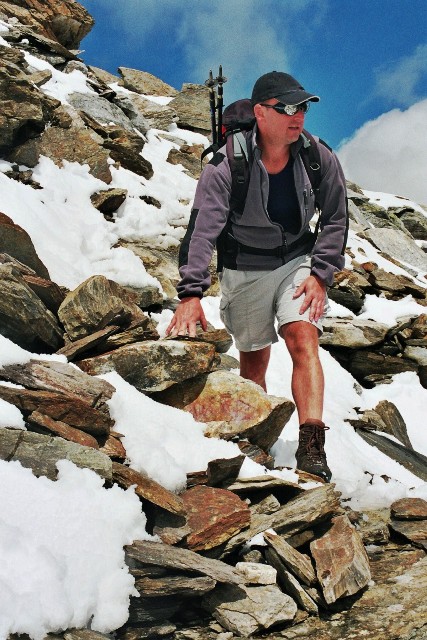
(246, 610)
(409, 509)
(214, 516)
(342, 564)
(143, 553)
(40, 453)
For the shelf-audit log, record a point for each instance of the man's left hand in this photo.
(315, 294)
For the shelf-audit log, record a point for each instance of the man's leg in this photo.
(308, 390)
(253, 365)
(302, 341)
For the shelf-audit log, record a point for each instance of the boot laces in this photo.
(313, 442)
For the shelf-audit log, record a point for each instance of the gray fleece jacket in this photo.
(253, 227)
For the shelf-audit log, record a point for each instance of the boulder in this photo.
(153, 366)
(24, 318)
(191, 105)
(74, 144)
(16, 242)
(145, 113)
(233, 407)
(100, 109)
(24, 111)
(66, 21)
(96, 303)
(145, 83)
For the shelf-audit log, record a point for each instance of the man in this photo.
(271, 271)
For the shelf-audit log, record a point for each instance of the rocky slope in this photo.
(326, 570)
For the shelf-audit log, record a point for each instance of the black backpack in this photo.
(237, 122)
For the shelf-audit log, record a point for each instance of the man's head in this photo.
(281, 86)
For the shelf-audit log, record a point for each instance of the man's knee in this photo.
(301, 337)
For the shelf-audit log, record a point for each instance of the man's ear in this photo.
(259, 112)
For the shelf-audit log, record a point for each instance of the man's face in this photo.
(279, 125)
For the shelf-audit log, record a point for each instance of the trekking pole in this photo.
(221, 80)
(211, 83)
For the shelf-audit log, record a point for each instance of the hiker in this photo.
(274, 267)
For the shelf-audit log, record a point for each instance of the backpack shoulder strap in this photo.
(240, 161)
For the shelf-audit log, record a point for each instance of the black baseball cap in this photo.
(281, 86)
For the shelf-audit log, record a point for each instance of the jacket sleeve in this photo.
(328, 252)
(208, 218)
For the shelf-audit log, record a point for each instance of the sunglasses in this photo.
(288, 109)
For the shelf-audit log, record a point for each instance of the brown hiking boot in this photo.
(310, 455)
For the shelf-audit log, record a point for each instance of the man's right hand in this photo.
(184, 322)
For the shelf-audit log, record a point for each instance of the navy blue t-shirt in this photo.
(283, 206)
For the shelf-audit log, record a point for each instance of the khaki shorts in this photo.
(255, 304)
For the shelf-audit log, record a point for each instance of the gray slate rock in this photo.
(398, 245)
(40, 453)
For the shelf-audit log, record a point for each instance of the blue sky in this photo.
(364, 58)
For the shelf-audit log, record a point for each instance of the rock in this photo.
(373, 527)
(214, 516)
(370, 367)
(256, 454)
(48, 292)
(398, 245)
(181, 586)
(307, 509)
(153, 366)
(267, 505)
(223, 470)
(16, 242)
(108, 201)
(416, 223)
(417, 354)
(189, 156)
(96, 303)
(140, 109)
(148, 489)
(394, 422)
(352, 334)
(40, 453)
(60, 391)
(415, 531)
(151, 632)
(125, 148)
(144, 82)
(74, 144)
(248, 610)
(235, 406)
(24, 110)
(348, 289)
(394, 608)
(298, 563)
(72, 350)
(155, 553)
(409, 509)
(342, 565)
(279, 487)
(136, 332)
(66, 21)
(411, 460)
(191, 107)
(102, 76)
(100, 109)
(159, 264)
(290, 584)
(257, 573)
(397, 284)
(24, 318)
(112, 447)
(58, 428)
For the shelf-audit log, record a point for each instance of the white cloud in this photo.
(398, 84)
(388, 153)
